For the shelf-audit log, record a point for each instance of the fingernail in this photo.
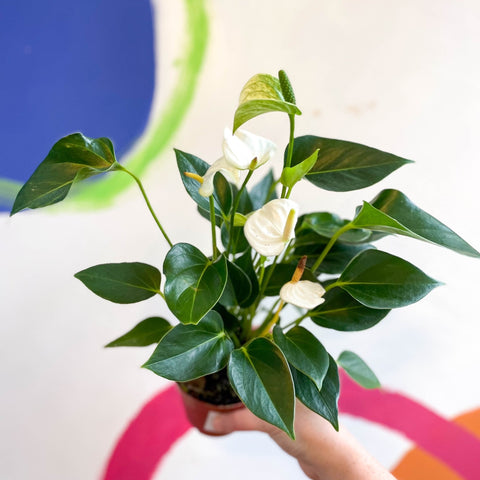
(208, 426)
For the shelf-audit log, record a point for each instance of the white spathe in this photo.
(238, 152)
(303, 294)
(271, 227)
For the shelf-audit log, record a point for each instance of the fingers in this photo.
(241, 419)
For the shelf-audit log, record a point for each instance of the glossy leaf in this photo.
(122, 282)
(194, 283)
(148, 331)
(73, 158)
(327, 224)
(358, 370)
(261, 94)
(393, 212)
(190, 351)
(238, 287)
(380, 280)
(343, 166)
(245, 262)
(325, 401)
(342, 312)
(292, 175)
(263, 191)
(261, 378)
(282, 274)
(304, 351)
(222, 194)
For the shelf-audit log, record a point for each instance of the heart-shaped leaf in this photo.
(358, 370)
(190, 351)
(380, 280)
(194, 283)
(148, 331)
(261, 94)
(304, 351)
(73, 158)
(393, 212)
(261, 378)
(325, 401)
(343, 166)
(342, 312)
(122, 282)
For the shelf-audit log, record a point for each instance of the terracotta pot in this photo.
(197, 410)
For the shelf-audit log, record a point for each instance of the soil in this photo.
(214, 388)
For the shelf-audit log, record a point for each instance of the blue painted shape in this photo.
(72, 66)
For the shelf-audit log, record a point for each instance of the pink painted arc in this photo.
(450, 443)
(162, 421)
(148, 438)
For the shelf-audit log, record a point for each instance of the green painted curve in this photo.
(101, 193)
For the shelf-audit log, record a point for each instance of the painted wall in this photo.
(402, 77)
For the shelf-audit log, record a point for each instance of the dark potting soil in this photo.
(214, 388)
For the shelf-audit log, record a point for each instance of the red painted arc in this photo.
(162, 421)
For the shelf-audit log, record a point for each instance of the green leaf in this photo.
(304, 351)
(194, 283)
(148, 331)
(122, 282)
(327, 224)
(73, 158)
(282, 274)
(291, 175)
(263, 191)
(261, 94)
(222, 193)
(358, 370)
(325, 401)
(380, 280)
(342, 312)
(393, 212)
(245, 262)
(343, 166)
(238, 288)
(190, 351)
(261, 378)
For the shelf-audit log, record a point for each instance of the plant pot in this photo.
(206, 394)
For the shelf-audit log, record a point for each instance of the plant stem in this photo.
(329, 245)
(147, 201)
(234, 210)
(288, 161)
(212, 222)
(297, 321)
(267, 325)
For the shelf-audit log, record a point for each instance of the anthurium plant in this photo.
(240, 308)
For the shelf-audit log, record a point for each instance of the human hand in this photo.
(322, 453)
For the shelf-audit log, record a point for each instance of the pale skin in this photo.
(322, 453)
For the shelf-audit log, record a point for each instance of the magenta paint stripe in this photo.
(448, 442)
(148, 437)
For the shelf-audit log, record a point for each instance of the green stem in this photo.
(267, 324)
(297, 321)
(329, 245)
(212, 222)
(234, 209)
(147, 201)
(288, 161)
(161, 294)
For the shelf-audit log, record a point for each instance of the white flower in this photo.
(271, 227)
(221, 165)
(239, 151)
(304, 293)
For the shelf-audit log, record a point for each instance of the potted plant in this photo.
(236, 335)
